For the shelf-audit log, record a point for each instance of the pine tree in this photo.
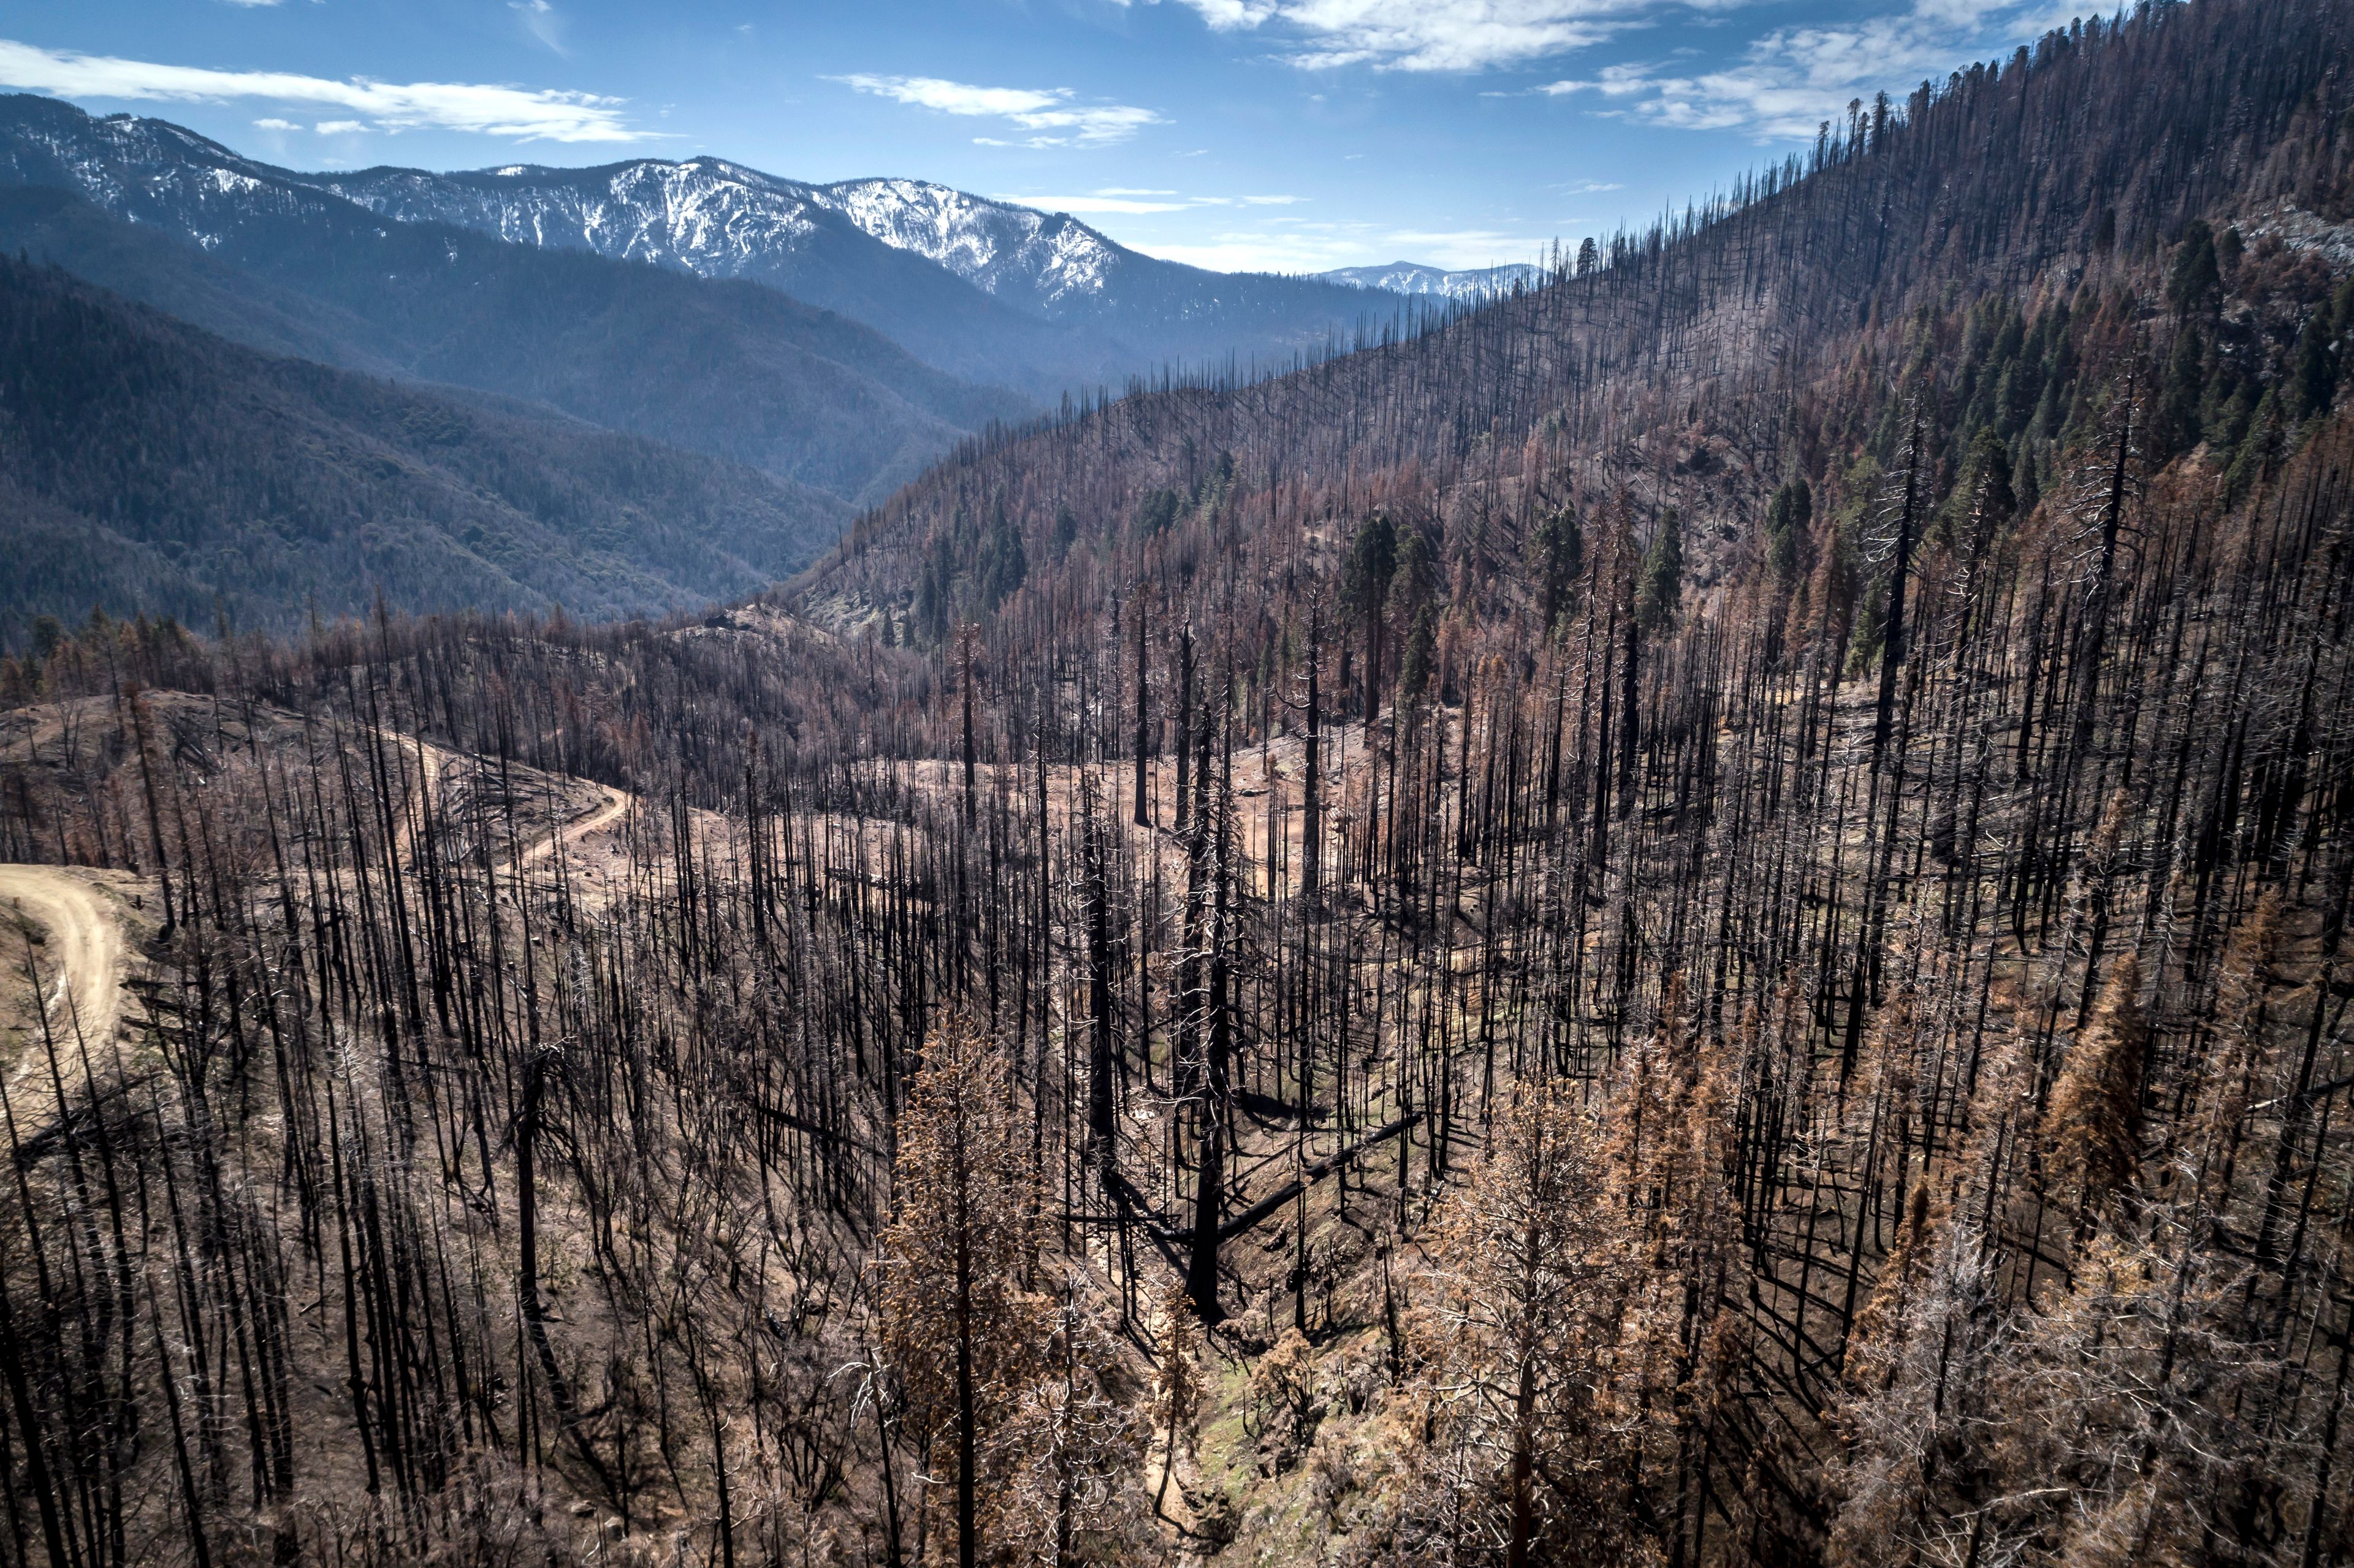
(2194, 284)
(2092, 1125)
(1557, 555)
(1178, 1398)
(1788, 519)
(1070, 1451)
(1662, 585)
(1532, 1265)
(1366, 590)
(958, 1325)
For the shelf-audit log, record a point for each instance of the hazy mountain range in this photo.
(260, 256)
(835, 338)
(1413, 278)
(986, 290)
(148, 465)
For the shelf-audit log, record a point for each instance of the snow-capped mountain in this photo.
(720, 221)
(725, 220)
(1413, 278)
(706, 216)
(821, 242)
(281, 262)
(986, 291)
(1013, 252)
(148, 171)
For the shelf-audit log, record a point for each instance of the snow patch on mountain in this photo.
(706, 216)
(723, 219)
(1034, 256)
(1413, 278)
(986, 289)
(148, 171)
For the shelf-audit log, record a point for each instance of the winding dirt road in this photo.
(616, 802)
(83, 961)
(81, 966)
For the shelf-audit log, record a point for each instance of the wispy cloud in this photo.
(1290, 246)
(1613, 81)
(271, 122)
(1430, 35)
(1466, 247)
(339, 127)
(544, 22)
(1053, 116)
(1788, 75)
(1793, 78)
(1103, 203)
(1130, 200)
(529, 114)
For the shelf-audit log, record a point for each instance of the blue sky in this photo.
(1287, 134)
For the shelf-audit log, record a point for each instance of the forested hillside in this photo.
(2062, 176)
(145, 463)
(1699, 919)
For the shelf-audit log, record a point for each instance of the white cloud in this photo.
(339, 127)
(1793, 78)
(1051, 113)
(1430, 35)
(1132, 201)
(1095, 204)
(543, 21)
(272, 122)
(1318, 247)
(1465, 247)
(1789, 73)
(1227, 15)
(1257, 253)
(954, 97)
(1614, 81)
(530, 115)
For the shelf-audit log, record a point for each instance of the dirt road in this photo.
(81, 966)
(616, 802)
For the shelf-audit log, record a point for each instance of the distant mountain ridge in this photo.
(720, 218)
(986, 290)
(1042, 262)
(1413, 278)
(1083, 307)
(278, 262)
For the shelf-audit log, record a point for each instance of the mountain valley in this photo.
(1685, 909)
